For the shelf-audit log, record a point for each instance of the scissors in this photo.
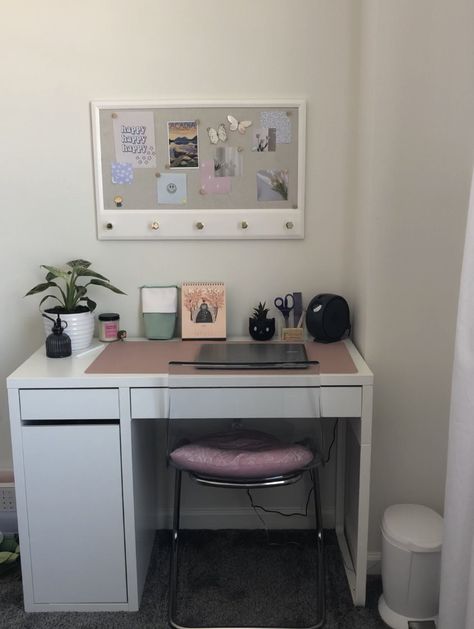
(285, 305)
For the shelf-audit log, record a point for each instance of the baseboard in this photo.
(241, 518)
(374, 562)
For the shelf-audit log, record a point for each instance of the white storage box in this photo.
(411, 553)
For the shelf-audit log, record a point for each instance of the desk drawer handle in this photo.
(69, 422)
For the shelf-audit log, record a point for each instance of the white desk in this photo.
(84, 453)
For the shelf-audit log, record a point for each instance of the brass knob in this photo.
(289, 225)
(155, 225)
(118, 201)
(244, 224)
(199, 225)
(109, 226)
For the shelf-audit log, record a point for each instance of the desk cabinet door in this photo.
(75, 513)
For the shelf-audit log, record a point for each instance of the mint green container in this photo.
(159, 325)
(159, 307)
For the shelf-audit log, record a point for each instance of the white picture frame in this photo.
(221, 220)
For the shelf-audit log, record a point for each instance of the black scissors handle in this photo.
(285, 305)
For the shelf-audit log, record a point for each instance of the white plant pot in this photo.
(80, 328)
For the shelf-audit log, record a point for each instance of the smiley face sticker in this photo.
(171, 189)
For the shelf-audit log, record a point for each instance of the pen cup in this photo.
(292, 334)
(159, 306)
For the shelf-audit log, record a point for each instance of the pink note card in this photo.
(211, 184)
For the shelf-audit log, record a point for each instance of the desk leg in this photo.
(350, 501)
(128, 500)
(362, 528)
(352, 495)
(346, 493)
(340, 476)
(138, 441)
(365, 442)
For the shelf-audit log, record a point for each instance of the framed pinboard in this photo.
(199, 170)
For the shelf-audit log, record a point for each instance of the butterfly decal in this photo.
(235, 125)
(220, 134)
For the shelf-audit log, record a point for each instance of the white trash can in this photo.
(411, 554)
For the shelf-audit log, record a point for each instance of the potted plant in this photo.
(9, 552)
(73, 304)
(260, 327)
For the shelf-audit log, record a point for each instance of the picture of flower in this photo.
(264, 140)
(272, 185)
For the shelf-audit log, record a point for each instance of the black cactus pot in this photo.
(261, 329)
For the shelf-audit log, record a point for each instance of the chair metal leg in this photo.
(173, 579)
(321, 593)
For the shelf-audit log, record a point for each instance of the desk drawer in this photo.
(149, 403)
(245, 402)
(341, 401)
(60, 404)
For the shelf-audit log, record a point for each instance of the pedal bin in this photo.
(411, 554)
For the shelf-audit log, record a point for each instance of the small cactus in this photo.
(260, 312)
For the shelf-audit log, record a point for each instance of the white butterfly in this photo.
(220, 134)
(235, 125)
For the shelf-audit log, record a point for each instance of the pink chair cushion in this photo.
(241, 454)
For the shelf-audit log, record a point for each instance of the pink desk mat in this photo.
(150, 357)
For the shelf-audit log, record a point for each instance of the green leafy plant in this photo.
(70, 295)
(260, 312)
(9, 552)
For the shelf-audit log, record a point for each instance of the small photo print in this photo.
(183, 144)
(272, 185)
(228, 162)
(171, 188)
(264, 140)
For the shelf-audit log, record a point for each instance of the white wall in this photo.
(61, 55)
(411, 187)
(390, 101)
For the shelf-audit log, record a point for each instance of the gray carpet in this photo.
(225, 577)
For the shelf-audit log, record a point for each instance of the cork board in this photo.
(204, 170)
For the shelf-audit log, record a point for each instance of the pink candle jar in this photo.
(109, 324)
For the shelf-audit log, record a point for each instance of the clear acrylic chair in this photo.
(242, 459)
